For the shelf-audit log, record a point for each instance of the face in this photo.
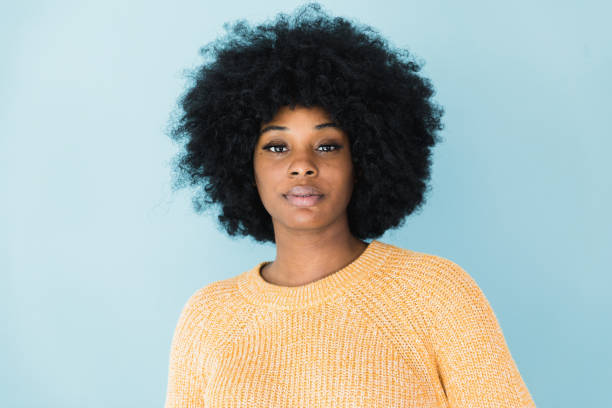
(302, 147)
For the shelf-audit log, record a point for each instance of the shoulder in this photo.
(441, 290)
(434, 277)
(208, 315)
(215, 295)
(211, 303)
(408, 261)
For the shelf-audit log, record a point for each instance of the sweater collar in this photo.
(263, 293)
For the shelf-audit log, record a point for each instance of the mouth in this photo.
(306, 200)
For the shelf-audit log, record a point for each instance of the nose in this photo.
(304, 166)
(298, 171)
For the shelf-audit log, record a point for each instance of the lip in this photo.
(308, 201)
(304, 190)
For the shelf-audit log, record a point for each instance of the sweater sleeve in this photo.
(186, 382)
(474, 363)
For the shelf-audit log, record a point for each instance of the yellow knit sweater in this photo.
(394, 328)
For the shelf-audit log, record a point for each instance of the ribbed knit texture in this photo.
(394, 328)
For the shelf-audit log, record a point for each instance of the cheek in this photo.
(343, 182)
(259, 170)
(262, 171)
(349, 172)
(267, 179)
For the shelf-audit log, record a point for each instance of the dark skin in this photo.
(315, 241)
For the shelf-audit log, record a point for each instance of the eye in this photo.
(326, 148)
(272, 146)
(334, 146)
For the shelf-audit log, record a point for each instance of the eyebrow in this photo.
(317, 127)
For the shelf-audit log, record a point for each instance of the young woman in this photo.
(312, 133)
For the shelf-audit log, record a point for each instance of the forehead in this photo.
(310, 120)
(300, 114)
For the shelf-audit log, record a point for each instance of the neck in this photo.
(305, 258)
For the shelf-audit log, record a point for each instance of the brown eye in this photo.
(268, 147)
(327, 148)
(334, 146)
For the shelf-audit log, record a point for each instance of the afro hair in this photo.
(310, 59)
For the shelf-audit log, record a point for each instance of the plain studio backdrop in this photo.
(98, 255)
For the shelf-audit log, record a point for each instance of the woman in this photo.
(314, 134)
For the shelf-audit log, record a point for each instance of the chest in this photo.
(333, 356)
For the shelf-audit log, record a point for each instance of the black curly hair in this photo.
(311, 59)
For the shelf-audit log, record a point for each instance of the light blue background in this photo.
(98, 256)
